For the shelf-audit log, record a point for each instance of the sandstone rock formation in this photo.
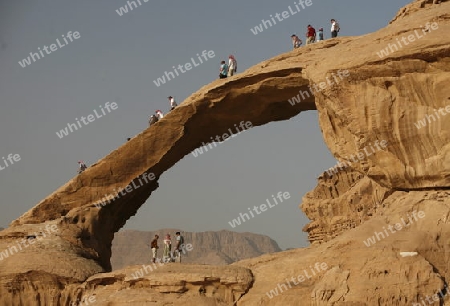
(132, 247)
(169, 284)
(381, 98)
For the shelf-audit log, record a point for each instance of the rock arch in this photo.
(381, 99)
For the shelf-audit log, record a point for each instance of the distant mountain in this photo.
(132, 247)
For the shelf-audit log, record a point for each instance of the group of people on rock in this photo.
(168, 255)
(159, 114)
(227, 70)
(311, 34)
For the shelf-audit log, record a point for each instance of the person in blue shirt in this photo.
(320, 34)
(223, 72)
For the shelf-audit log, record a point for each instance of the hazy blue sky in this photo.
(116, 59)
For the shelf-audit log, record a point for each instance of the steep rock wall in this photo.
(380, 98)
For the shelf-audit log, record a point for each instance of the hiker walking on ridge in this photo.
(159, 114)
(167, 249)
(155, 247)
(334, 28)
(232, 65)
(310, 34)
(320, 34)
(172, 102)
(153, 119)
(82, 166)
(296, 42)
(223, 72)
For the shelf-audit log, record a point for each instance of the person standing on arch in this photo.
(310, 35)
(223, 71)
(159, 114)
(334, 28)
(296, 42)
(320, 34)
(82, 166)
(153, 119)
(232, 65)
(172, 102)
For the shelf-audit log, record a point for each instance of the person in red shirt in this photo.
(310, 35)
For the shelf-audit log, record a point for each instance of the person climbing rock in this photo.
(159, 114)
(296, 42)
(172, 102)
(153, 119)
(82, 166)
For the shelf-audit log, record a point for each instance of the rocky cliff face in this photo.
(212, 248)
(380, 224)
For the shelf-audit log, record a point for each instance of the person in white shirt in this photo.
(167, 252)
(232, 65)
(296, 42)
(159, 114)
(173, 104)
(334, 28)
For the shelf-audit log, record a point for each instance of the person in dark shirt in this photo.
(179, 246)
(154, 246)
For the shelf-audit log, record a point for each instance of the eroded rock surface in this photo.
(168, 284)
(381, 97)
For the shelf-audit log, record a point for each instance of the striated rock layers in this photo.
(213, 248)
(378, 96)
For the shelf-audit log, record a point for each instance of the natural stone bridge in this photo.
(360, 98)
